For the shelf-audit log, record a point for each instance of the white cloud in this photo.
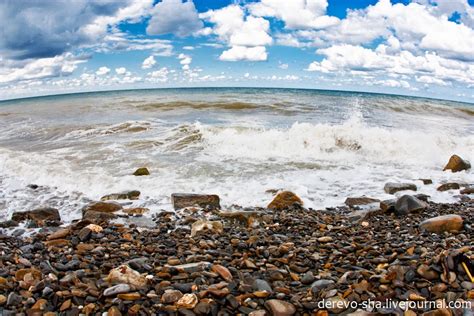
(149, 62)
(174, 17)
(160, 75)
(62, 65)
(245, 35)
(102, 71)
(120, 71)
(296, 14)
(282, 65)
(237, 53)
(188, 47)
(185, 60)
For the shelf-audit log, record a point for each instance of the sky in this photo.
(421, 47)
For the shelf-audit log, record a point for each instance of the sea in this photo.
(239, 143)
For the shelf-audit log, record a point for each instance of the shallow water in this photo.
(237, 143)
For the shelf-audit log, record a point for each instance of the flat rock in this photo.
(182, 200)
(356, 201)
(393, 187)
(191, 267)
(409, 204)
(449, 186)
(98, 217)
(102, 207)
(41, 216)
(280, 308)
(456, 164)
(444, 223)
(125, 274)
(129, 195)
(284, 200)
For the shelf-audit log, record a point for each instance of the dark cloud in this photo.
(46, 28)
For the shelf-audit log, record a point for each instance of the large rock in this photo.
(393, 187)
(98, 217)
(456, 164)
(468, 190)
(449, 186)
(129, 195)
(357, 201)
(408, 204)
(141, 172)
(213, 227)
(284, 200)
(182, 200)
(42, 216)
(444, 223)
(102, 207)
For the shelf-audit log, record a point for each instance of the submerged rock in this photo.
(468, 190)
(393, 187)
(182, 200)
(449, 186)
(141, 172)
(444, 223)
(408, 204)
(356, 201)
(456, 164)
(284, 200)
(102, 207)
(41, 217)
(129, 195)
(98, 217)
(214, 227)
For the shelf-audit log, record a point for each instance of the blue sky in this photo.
(423, 47)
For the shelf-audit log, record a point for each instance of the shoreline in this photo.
(197, 261)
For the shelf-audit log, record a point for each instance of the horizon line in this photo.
(227, 87)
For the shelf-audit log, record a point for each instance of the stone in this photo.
(393, 187)
(356, 201)
(187, 301)
(3, 299)
(408, 204)
(280, 308)
(468, 190)
(426, 272)
(284, 200)
(213, 227)
(65, 305)
(325, 239)
(94, 228)
(136, 210)
(141, 172)
(336, 304)
(222, 271)
(13, 299)
(84, 234)
(388, 205)
(98, 217)
(191, 267)
(449, 186)
(426, 181)
(129, 296)
(183, 200)
(114, 311)
(262, 286)
(456, 164)
(441, 224)
(171, 296)
(41, 217)
(319, 285)
(125, 274)
(117, 289)
(129, 195)
(8, 224)
(102, 207)
(61, 233)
